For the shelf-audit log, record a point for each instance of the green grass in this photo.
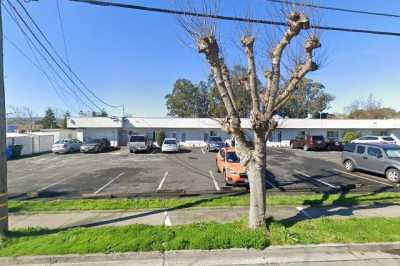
(197, 236)
(327, 230)
(227, 201)
(133, 238)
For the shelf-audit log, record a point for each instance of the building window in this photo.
(301, 135)
(174, 135)
(380, 133)
(213, 133)
(183, 137)
(332, 134)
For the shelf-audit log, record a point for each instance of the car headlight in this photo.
(230, 171)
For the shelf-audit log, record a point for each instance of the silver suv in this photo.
(378, 158)
(139, 143)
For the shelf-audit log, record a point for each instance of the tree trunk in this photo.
(256, 174)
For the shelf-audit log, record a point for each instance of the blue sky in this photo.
(133, 58)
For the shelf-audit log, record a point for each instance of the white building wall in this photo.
(96, 133)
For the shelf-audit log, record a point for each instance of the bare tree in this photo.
(264, 105)
(23, 116)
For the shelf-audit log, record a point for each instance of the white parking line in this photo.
(363, 177)
(53, 184)
(301, 209)
(215, 181)
(269, 183)
(162, 181)
(109, 183)
(316, 179)
(275, 150)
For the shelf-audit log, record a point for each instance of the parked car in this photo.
(308, 143)
(228, 163)
(334, 144)
(375, 139)
(378, 158)
(215, 143)
(170, 145)
(96, 145)
(66, 146)
(139, 143)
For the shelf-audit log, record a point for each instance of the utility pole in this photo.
(3, 139)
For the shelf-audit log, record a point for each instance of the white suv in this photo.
(375, 139)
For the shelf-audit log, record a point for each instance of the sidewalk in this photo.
(318, 255)
(59, 220)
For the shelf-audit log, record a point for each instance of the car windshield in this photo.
(62, 141)
(170, 141)
(215, 139)
(138, 139)
(231, 157)
(393, 153)
(388, 138)
(317, 137)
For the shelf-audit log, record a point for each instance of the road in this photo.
(190, 172)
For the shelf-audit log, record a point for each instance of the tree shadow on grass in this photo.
(345, 205)
(39, 232)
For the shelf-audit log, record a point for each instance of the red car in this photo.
(308, 143)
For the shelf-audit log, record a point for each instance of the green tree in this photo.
(49, 120)
(187, 99)
(350, 135)
(309, 98)
(160, 136)
(65, 119)
(370, 108)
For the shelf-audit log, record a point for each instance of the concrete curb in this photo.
(275, 254)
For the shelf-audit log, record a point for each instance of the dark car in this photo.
(215, 143)
(334, 144)
(308, 143)
(96, 145)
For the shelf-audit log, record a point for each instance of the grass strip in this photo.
(197, 236)
(225, 201)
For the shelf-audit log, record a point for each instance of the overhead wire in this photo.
(52, 57)
(62, 61)
(228, 18)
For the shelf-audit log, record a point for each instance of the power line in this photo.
(61, 60)
(30, 42)
(62, 31)
(229, 18)
(335, 8)
(51, 56)
(41, 69)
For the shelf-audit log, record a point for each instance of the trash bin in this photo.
(9, 153)
(16, 151)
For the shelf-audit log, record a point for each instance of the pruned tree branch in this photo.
(300, 72)
(297, 22)
(248, 44)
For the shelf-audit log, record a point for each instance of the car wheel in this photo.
(131, 151)
(226, 180)
(393, 175)
(306, 148)
(218, 171)
(349, 165)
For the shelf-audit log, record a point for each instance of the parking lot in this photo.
(191, 172)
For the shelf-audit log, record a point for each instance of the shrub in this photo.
(160, 137)
(350, 135)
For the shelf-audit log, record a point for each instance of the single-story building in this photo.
(195, 131)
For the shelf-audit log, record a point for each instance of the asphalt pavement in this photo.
(191, 172)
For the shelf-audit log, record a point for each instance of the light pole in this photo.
(3, 160)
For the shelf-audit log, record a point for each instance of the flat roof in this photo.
(213, 123)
